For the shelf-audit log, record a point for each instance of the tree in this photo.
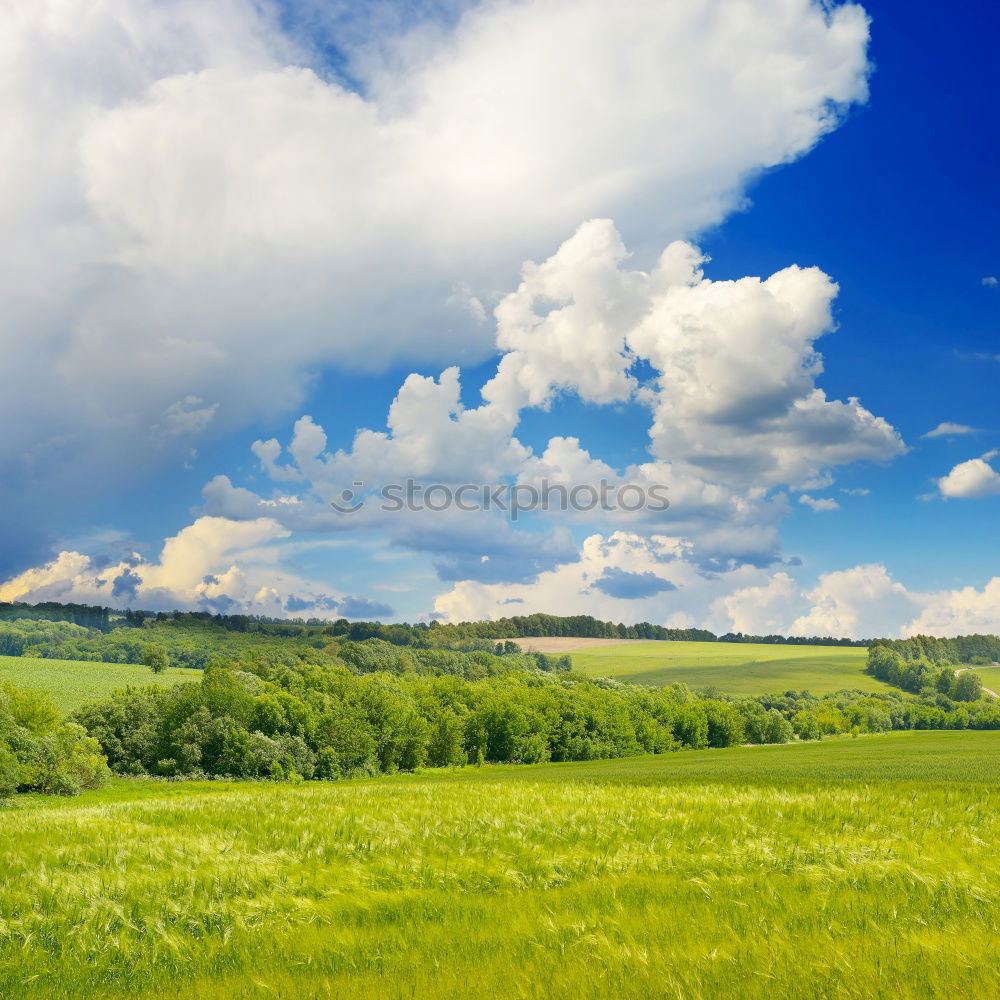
(155, 657)
(10, 771)
(65, 762)
(725, 725)
(967, 687)
(777, 728)
(806, 725)
(445, 744)
(691, 725)
(33, 710)
(945, 680)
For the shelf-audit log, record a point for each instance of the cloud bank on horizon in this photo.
(210, 213)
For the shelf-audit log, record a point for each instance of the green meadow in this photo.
(72, 683)
(736, 668)
(849, 868)
(990, 676)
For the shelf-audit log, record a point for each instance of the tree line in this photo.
(922, 675)
(975, 650)
(265, 708)
(86, 615)
(419, 634)
(269, 716)
(195, 643)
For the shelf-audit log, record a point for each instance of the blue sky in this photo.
(186, 303)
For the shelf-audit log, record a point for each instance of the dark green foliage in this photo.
(39, 753)
(792, 640)
(978, 650)
(923, 664)
(888, 664)
(806, 726)
(765, 725)
(330, 722)
(281, 700)
(725, 724)
(967, 687)
(11, 643)
(10, 771)
(400, 709)
(85, 615)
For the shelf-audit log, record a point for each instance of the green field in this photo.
(736, 668)
(71, 683)
(990, 676)
(850, 868)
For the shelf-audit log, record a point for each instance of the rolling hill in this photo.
(71, 683)
(735, 668)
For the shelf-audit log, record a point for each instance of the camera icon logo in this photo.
(348, 502)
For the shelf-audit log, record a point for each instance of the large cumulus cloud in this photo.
(734, 412)
(203, 213)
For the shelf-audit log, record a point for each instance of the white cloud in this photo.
(200, 214)
(863, 602)
(670, 588)
(960, 612)
(765, 609)
(819, 504)
(206, 218)
(972, 479)
(860, 602)
(949, 429)
(855, 491)
(735, 401)
(52, 581)
(735, 410)
(218, 564)
(990, 281)
(213, 564)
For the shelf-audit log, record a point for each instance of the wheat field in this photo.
(72, 683)
(750, 872)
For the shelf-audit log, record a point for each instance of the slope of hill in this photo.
(736, 668)
(72, 683)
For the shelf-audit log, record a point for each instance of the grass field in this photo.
(73, 682)
(736, 668)
(851, 868)
(990, 677)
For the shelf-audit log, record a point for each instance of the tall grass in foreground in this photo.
(531, 882)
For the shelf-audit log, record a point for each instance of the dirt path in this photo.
(992, 694)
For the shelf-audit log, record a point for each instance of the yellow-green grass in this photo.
(72, 683)
(736, 668)
(990, 676)
(751, 873)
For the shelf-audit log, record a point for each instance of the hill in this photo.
(72, 683)
(735, 668)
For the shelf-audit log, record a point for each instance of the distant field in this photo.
(990, 677)
(566, 644)
(849, 868)
(71, 683)
(736, 668)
